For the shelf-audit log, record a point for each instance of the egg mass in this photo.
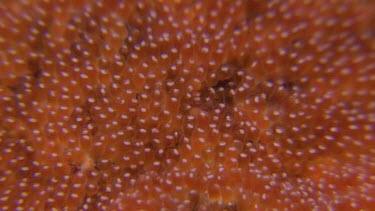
(187, 105)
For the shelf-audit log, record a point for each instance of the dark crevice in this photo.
(34, 68)
(223, 91)
(289, 86)
(75, 168)
(14, 88)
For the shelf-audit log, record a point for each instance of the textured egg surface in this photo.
(187, 105)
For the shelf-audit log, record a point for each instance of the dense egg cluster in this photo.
(187, 105)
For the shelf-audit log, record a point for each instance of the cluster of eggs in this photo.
(187, 105)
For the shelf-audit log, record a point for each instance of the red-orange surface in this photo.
(187, 105)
